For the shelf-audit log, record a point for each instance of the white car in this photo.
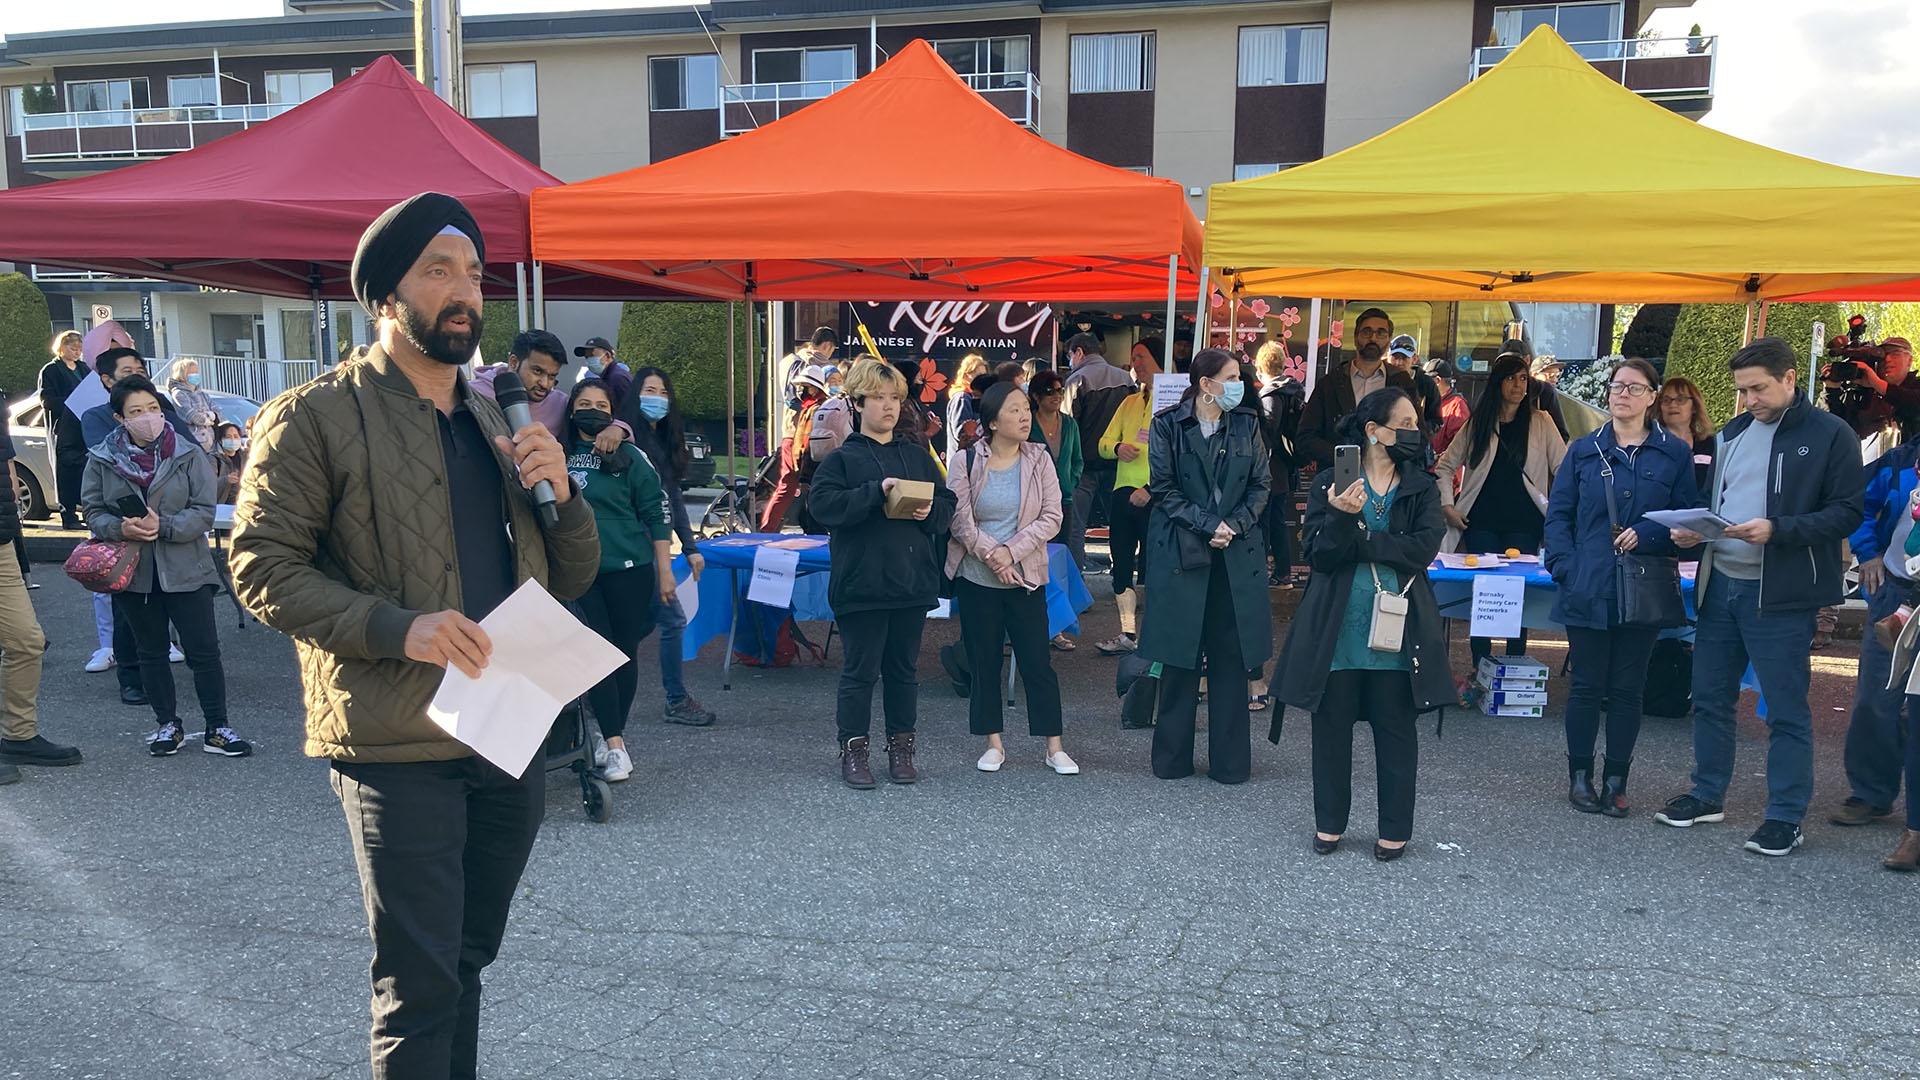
(33, 446)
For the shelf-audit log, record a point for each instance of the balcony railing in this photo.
(134, 133)
(249, 377)
(54, 273)
(745, 106)
(1665, 69)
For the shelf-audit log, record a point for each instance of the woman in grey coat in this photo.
(154, 489)
(1207, 568)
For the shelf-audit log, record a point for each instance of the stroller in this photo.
(570, 747)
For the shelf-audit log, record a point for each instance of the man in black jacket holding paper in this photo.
(1788, 477)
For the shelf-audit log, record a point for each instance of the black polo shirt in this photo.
(480, 535)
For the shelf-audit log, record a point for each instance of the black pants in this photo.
(68, 470)
(1127, 538)
(440, 846)
(1609, 665)
(126, 652)
(1279, 527)
(1385, 700)
(1229, 745)
(147, 616)
(1481, 541)
(620, 606)
(989, 617)
(882, 646)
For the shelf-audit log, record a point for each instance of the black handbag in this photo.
(1647, 587)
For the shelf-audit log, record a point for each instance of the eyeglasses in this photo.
(1631, 389)
(1675, 399)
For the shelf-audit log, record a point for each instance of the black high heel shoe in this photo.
(1382, 853)
(1324, 847)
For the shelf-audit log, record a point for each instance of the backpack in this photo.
(1669, 679)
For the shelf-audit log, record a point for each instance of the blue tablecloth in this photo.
(730, 567)
(1453, 591)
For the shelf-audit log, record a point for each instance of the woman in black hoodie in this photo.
(886, 571)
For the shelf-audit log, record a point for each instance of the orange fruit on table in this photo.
(1513, 553)
(1473, 560)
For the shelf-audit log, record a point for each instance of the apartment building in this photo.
(1198, 90)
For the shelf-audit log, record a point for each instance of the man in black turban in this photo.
(432, 239)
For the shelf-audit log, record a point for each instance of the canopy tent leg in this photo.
(1173, 286)
(733, 441)
(520, 294)
(1760, 326)
(1200, 319)
(539, 296)
(1313, 345)
(1746, 325)
(753, 431)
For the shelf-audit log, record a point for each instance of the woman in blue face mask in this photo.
(183, 385)
(661, 433)
(1206, 568)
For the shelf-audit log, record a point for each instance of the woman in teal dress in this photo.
(1377, 536)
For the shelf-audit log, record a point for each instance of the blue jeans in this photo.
(1874, 737)
(1731, 633)
(671, 620)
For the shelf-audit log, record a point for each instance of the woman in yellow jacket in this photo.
(1125, 441)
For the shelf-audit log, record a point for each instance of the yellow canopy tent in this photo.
(1545, 180)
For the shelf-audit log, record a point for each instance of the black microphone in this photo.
(512, 399)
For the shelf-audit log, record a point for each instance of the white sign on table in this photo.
(1167, 388)
(773, 572)
(1498, 601)
(542, 658)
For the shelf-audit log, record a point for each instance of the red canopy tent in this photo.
(279, 207)
(936, 195)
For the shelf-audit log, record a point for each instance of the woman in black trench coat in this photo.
(1378, 536)
(1207, 569)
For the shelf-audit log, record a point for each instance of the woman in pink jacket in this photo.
(1008, 507)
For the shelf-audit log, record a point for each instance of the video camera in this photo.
(1849, 351)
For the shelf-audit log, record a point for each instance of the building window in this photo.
(1568, 331)
(1283, 55)
(108, 95)
(186, 90)
(803, 65)
(294, 87)
(988, 63)
(684, 82)
(16, 109)
(501, 90)
(1598, 24)
(1251, 172)
(1110, 63)
(296, 334)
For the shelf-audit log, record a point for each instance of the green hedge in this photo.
(1706, 336)
(501, 319)
(25, 330)
(689, 342)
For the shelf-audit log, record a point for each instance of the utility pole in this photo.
(437, 50)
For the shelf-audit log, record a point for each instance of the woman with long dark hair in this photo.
(1635, 465)
(1510, 452)
(661, 433)
(1340, 662)
(1207, 574)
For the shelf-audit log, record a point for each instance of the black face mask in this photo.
(1409, 447)
(591, 422)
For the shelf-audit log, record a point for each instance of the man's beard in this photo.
(449, 347)
(1370, 351)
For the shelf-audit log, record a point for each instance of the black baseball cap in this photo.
(592, 344)
(1440, 368)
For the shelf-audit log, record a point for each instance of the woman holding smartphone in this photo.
(147, 485)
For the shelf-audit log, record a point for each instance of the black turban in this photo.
(396, 238)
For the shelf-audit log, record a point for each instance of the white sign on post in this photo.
(773, 572)
(1167, 388)
(102, 312)
(1497, 603)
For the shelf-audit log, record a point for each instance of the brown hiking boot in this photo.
(1857, 812)
(1887, 630)
(853, 764)
(900, 768)
(1906, 857)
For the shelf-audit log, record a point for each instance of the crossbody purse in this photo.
(1647, 586)
(1388, 630)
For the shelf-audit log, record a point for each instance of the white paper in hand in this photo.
(89, 394)
(543, 658)
(773, 572)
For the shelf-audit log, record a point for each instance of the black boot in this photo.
(1613, 791)
(900, 768)
(1580, 786)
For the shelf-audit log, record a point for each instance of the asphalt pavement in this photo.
(744, 915)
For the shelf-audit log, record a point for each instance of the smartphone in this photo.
(130, 506)
(1346, 467)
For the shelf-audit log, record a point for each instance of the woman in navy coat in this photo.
(1647, 468)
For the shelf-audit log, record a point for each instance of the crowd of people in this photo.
(382, 513)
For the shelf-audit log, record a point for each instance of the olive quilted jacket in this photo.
(344, 534)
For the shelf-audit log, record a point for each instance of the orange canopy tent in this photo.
(933, 194)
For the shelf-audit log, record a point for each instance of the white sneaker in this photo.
(174, 655)
(101, 660)
(618, 767)
(599, 747)
(1059, 762)
(991, 760)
